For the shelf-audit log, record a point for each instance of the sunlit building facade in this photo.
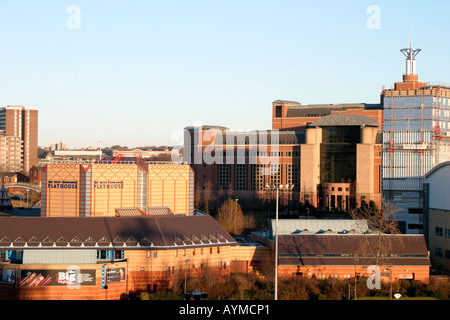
(416, 138)
(112, 184)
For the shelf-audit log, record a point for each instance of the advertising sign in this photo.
(8, 276)
(115, 275)
(62, 184)
(80, 277)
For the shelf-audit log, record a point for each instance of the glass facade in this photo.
(411, 148)
(338, 154)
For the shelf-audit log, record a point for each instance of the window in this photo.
(240, 177)
(447, 233)
(118, 254)
(275, 174)
(438, 231)
(293, 175)
(110, 254)
(224, 175)
(278, 111)
(438, 252)
(258, 177)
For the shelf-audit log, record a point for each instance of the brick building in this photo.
(22, 123)
(338, 148)
(42, 258)
(292, 115)
(343, 249)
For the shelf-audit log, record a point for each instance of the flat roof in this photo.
(341, 119)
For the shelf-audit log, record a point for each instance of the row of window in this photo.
(119, 254)
(171, 270)
(258, 173)
(184, 252)
(439, 232)
(439, 252)
(101, 254)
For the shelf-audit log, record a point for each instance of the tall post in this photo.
(276, 250)
(185, 271)
(390, 291)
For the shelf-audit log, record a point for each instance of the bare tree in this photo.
(381, 223)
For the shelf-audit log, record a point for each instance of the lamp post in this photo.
(185, 270)
(278, 187)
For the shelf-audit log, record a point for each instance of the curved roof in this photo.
(341, 119)
(436, 168)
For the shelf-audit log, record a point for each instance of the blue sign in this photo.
(103, 277)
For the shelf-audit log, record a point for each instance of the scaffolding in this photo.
(416, 138)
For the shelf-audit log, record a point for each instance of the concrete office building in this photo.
(334, 163)
(416, 137)
(21, 122)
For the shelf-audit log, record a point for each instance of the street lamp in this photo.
(277, 187)
(185, 270)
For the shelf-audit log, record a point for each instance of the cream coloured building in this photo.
(116, 186)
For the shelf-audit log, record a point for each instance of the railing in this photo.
(36, 187)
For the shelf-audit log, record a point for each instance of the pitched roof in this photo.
(161, 231)
(289, 226)
(346, 249)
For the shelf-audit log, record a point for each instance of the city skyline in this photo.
(136, 74)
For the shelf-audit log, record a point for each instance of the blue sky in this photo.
(137, 72)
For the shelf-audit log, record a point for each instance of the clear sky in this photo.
(136, 72)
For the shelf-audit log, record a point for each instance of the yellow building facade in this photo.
(100, 189)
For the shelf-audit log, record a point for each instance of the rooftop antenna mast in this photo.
(410, 54)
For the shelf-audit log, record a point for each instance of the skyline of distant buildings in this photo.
(412, 124)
